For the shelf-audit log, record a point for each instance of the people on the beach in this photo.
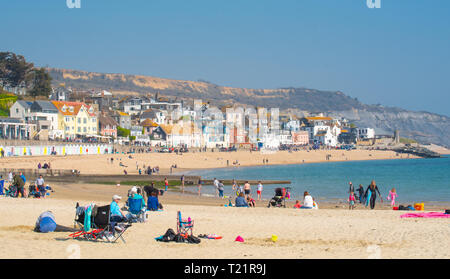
(216, 186)
(182, 183)
(221, 188)
(251, 201)
(297, 204)
(308, 202)
(199, 186)
(259, 190)
(46, 223)
(241, 201)
(117, 214)
(371, 194)
(166, 184)
(247, 189)
(351, 188)
(351, 200)
(153, 202)
(392, 196)
(361, 193)
(10, 177)
(40, 184)
(19, 184)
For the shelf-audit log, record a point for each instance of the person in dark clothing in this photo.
(152, 202)
(361, 193)
(351, 188)
(20, 184)
(372, 195)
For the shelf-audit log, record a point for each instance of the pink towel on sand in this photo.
(425, 215)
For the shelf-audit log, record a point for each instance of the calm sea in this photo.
(416, 180)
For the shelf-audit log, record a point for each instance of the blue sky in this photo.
(398, 55)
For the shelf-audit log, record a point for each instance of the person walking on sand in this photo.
(259, 190)
(221, 189)
(216, 185)
(199, 186)
(182, 183)
(20, 184)
(247, 189)
(392, 196)
(371, 194)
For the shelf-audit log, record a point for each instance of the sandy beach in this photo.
(333, 231)
(100, 164)
(324, 233)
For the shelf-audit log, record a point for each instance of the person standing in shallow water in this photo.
(371, 194)
(361, 193)
(351, 188)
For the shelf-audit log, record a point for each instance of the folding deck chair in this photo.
(98, 226)
(184, 226)
(136, 207)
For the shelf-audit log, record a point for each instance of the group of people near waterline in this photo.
(368, 197)
(16, 186)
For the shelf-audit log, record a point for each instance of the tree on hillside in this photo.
(14, 69)
(41, 82)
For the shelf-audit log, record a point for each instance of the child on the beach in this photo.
(392, 196)
(250, 201)
(259, 190)
(351, 201)
(166, 184)
(297, 204)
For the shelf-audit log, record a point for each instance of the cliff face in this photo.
(422, 126)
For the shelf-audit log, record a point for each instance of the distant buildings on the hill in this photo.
(153, 120)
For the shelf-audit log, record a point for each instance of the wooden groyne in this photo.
(67, 176)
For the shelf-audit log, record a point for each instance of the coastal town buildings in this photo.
(76, 119)
(159, 121)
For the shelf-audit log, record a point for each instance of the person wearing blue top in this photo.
(23, 177)
(116, 214)
(240, 201)
(135, 196)
(152, 202)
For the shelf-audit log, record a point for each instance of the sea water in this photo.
(416, 180)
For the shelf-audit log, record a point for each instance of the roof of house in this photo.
(148, 123)
(121, 113)
(319, 118)
(24, 104)
(72, 108)
(107, 120)
(177, 129)
(150, 113)
(45, 106)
